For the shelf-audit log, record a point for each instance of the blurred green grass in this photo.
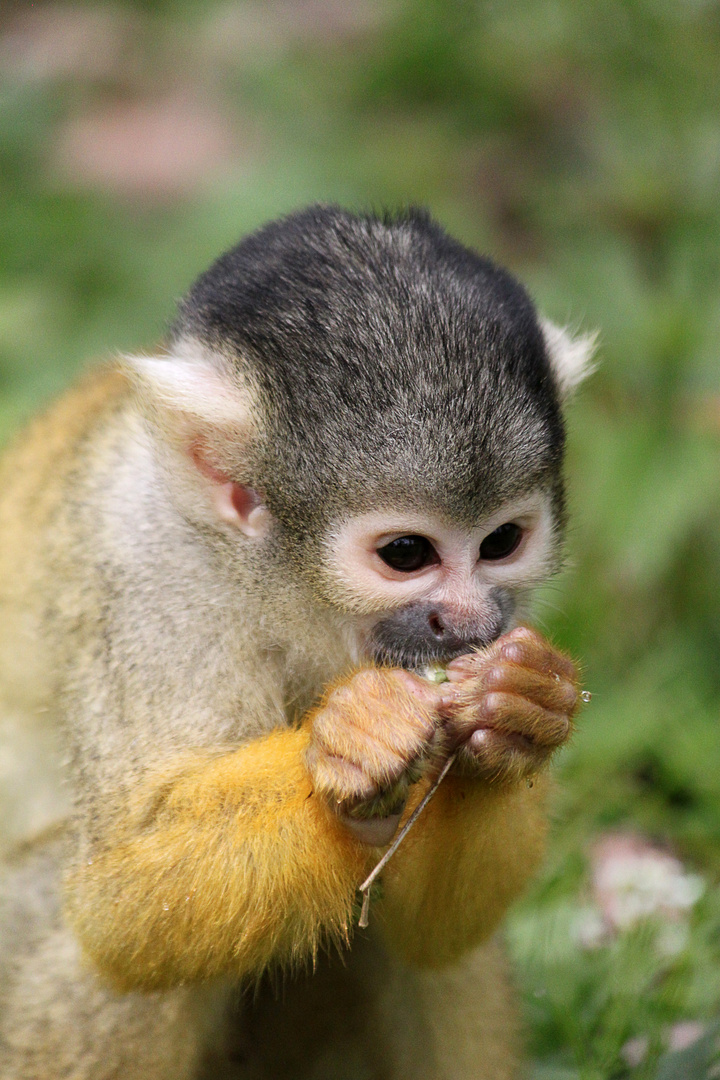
(580, 145)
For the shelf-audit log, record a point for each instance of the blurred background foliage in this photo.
(578, 143)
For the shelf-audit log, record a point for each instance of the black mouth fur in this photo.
(415, 659)
(420, 634)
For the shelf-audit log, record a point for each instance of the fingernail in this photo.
(448, 694)
(457, 676)
(513, 652)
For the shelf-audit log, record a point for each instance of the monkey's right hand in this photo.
(371, 738)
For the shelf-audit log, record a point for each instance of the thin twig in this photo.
(368, 883)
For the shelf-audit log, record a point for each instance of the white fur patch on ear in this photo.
(195, 384)
(570, 357)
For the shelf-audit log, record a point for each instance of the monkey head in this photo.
(375, 414)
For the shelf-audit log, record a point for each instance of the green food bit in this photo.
(434, 673)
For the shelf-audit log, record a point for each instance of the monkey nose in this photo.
(437, 625)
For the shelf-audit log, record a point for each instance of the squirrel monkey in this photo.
(222, 569)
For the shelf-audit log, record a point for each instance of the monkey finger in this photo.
(364, 742)
(499, 757)
(384, 754)
(512, 716)
(537, 728)
(398, 723)
(486, 741)
(523, 645)
(526, 648)
(372, 816)
(428, 693)
(390, 685)
(550, 691)
(383, 764)
(336, 778)
(387, 703)
(471, 665)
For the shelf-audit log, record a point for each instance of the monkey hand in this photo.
(370, 740)
(510, 706)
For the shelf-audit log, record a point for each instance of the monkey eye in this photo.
(501, 542)
(408, 553)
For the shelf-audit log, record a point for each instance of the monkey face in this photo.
(371, 416)
(426, 590)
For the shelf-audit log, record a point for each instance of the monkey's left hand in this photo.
(510, 706)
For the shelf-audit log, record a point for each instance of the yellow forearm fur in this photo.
(453, 877)
(225, 864)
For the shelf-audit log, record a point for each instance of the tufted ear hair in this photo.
(192, 390)
(193, 382)
(571, 358)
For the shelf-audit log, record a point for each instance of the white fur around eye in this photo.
(363, 581)
(537, 553)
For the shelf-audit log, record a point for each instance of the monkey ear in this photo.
(571, 358)
(193, 388)
(198, 403)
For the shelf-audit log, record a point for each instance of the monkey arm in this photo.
(222, 863)
(455, 874)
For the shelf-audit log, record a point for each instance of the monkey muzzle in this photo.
(420, 633)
